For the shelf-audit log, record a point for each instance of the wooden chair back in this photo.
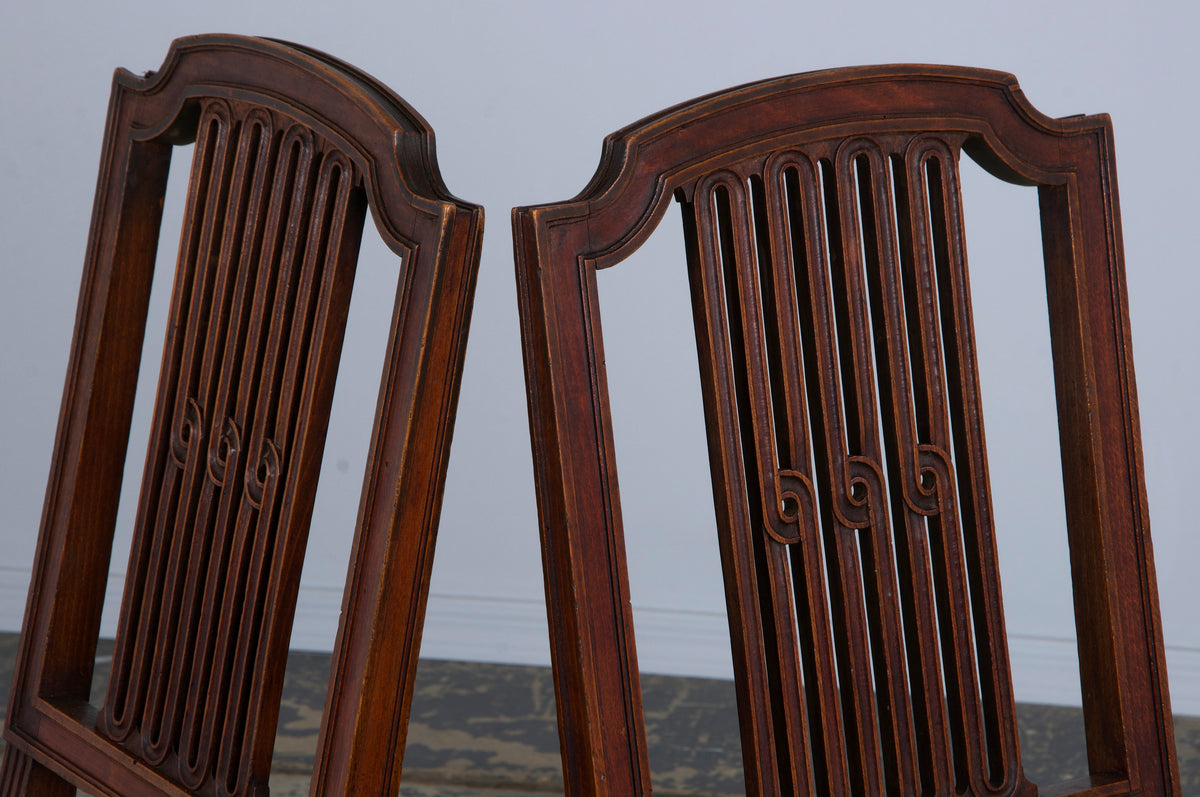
(828, 272)
(292, 150)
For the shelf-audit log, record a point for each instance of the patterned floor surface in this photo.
(489, 730)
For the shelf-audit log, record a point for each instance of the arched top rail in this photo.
(999, 127)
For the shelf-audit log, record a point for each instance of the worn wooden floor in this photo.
(488, 730)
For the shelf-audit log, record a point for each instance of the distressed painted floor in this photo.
(488, 730)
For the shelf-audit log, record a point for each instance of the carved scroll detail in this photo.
(834, 323)
(259, 295)
(225, 452)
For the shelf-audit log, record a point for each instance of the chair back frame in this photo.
(293, 149)
(829, 287)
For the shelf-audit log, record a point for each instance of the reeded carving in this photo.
(14, 773)
(823, 273)
(265, 203)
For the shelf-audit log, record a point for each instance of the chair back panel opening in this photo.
(825, 247)
(293, 150)
(837, 352)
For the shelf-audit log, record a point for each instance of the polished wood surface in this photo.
(293, 150)
(829, 282)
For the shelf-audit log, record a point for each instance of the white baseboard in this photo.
(513, 631)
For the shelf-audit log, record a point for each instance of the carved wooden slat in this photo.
(188, 669)
(865, 425)
(793, 219)
(201, 707)
(292, 148)
(300, 425)
(824, 235)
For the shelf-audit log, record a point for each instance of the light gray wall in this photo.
(521, 94)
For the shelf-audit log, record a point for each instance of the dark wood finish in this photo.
(292, 149)
(833, 323)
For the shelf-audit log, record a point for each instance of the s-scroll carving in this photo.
(793, 512)
(186, 432)
(863, 492)
(263, 476)
(223, 454)
(931, 484)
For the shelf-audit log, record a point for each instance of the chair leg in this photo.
(20, 775)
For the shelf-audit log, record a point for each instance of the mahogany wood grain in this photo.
(826, 253)
(293, 149)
